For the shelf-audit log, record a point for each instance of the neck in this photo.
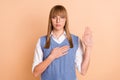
(58, 33)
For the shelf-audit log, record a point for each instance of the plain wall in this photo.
(22, 22)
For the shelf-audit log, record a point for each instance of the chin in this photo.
(58, 29)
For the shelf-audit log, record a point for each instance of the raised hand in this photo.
(87, 37)
(88, 43)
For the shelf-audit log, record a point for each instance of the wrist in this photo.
(51, 58)
(88, 50)
(88, 47)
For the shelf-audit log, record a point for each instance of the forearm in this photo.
(86, 61)
(40, 68)
(55, 53)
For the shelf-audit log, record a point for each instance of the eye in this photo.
(62, 16)
(54, 17)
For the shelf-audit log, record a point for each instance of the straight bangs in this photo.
(58, 11)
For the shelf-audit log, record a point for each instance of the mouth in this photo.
(58, 24)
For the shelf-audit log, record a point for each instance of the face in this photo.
(58, 22)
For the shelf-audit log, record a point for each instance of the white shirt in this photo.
(38, 56)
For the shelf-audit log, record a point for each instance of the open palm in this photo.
(87, 37)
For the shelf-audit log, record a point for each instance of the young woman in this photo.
(59, 53)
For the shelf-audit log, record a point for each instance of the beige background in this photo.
(22, 22)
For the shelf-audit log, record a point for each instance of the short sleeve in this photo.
(79, 56)
(38, 55)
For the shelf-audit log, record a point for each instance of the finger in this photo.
(87, 38)
(87, 35)
(87, 31)
(64, 53)
(64, 48)
(87, 28)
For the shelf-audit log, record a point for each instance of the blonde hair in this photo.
(61, 11)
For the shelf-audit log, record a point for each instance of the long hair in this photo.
(61, 11)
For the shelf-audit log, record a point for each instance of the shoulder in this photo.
(74, 36)
(42, 38)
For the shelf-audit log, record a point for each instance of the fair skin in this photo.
(58, 23)
(87, 41)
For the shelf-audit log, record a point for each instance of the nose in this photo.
(58, 20)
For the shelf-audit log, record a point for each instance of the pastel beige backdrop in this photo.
(22, 22)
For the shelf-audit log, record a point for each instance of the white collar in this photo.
(61, 37)
(64, 33)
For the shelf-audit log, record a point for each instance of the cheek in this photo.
(63, 23)
(53, 23)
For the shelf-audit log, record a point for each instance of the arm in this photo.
(86, 61)
(87, 41)
(40, 66)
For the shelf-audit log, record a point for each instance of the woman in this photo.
(59, 53)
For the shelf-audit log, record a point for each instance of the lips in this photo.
(58, 25)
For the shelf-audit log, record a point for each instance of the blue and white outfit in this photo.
(62, 68)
